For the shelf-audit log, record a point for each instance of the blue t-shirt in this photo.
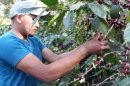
(12, 50)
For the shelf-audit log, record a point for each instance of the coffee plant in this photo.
(77, 21)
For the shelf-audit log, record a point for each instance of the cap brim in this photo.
(44, 14)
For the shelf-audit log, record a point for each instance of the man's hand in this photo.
(95, 46)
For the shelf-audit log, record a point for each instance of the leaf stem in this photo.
(108, 78)
(108, 32)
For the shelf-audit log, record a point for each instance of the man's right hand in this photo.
(95, 46)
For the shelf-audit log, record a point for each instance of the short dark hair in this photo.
(12, 18)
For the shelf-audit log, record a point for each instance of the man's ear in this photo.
(18, 18)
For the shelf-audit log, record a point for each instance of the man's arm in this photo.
(49, 56)
(32, 65)
(47, 73)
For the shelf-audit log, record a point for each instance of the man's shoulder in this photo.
(8, 36)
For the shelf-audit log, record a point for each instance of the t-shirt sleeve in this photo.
(13, 51)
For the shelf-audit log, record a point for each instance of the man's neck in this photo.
(20, 35)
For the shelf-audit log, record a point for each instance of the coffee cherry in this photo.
(123, 66)
(71, 81)
(124, 63)
(87, 22)
(97, 62)
(82, 28)
(90, 66)
(92, 15)
(103, 56)
(127, 54)
(128, 1)
(115, 1)
(126, 60)
(85, 74)
(80, 76)
(124, 54)
(124, 17)
(109, 22)
(123, 60)
(128, 72)
(125, 51)
(115, 53)
(102, 36)
(83, 36)
(100, 1)
(123, 71)
(99, 57)
(127, 67)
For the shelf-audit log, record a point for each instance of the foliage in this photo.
(78, 22)
(8, 4)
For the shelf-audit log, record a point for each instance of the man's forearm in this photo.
(75, 51)
(65, 65)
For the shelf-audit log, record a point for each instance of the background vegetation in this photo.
(74, 22)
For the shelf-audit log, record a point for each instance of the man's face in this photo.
(26, 23)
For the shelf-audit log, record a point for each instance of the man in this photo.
(21, 52)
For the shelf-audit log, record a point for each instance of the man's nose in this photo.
(37, 24)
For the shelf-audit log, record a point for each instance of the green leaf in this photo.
(47, 2)
(77, 6)
(125, 82)
(50, 2)
(128, 18)
(119, 37)
(52, 21)
(96, 73)
(103, 20)
(110, 58)
(102, 28)
(54, 2)
(111, 34)
(104, 77)
(97, 9)
(127, 34)
(27, 10)
(114, 12)
(68, 21)
(64, 81)
(105, 7)
(72, 1)
(36, 19)
(78, 12)
(116, 66)
(108, 2)
(56, 7)
(59, 20)
(117, 60)
(115, 84)
(96, 23)
(124, 13)
(114, 47)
